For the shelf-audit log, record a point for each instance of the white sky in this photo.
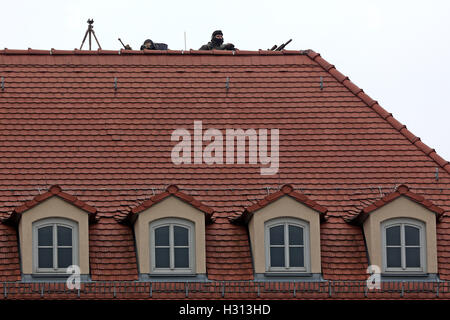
(398, 52)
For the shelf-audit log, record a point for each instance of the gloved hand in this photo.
(227, 46)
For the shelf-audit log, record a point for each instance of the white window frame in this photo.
(402, 222)
(54, 222)
(306, 245)
(171, 222)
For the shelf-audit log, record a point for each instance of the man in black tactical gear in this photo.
(217, 42)
(148, 45)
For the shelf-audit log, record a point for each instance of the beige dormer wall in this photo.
(53, 207)
(170, 207)
(285, 207)
(401, 207)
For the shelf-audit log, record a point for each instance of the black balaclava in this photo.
(216, 42)
(151, 44)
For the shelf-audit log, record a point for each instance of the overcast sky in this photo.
(396, 51)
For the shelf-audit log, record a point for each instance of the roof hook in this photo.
(227, 83)
(437, 174)
(115, 83)
(321, 83)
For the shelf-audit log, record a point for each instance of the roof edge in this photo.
(373, 104)
(401, 190)
(285, 190)
(171, 190)
(58, 52)
(55, 190)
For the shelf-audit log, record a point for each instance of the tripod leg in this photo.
(99, 46)
(84, 39)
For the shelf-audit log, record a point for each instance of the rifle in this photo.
(274, 48)
(283, 45)
(127, 47)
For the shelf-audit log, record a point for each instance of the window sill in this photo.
(172, 274)
(404, 274)
(410, 276)
(173, 277)
(288, 276)
(53, 277)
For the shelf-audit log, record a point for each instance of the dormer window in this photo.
(170, 236)
(172, 246)
(284, 231)
(54, 234)
(55, 245)
(287, 246)
(404, 245)
(400, 234)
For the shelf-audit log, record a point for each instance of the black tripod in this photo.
(90, 31)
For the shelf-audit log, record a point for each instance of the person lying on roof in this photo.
(150, 45)
(217, 43)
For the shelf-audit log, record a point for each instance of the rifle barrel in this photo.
(122, 43)
(283, 45)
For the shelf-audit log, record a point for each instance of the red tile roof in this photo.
(98, 124)
(9, 254)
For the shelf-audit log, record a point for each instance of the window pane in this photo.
(277, 235)
(64, 257)
(45, 258)
(412, 236)
(180, 235)
(393, 236)
(277, 257)
(181, 258)
(295, 235)
(413, 257)
(162, 258)
(394, 258)
(296, 257)
(64, 236)
(45, 236)
(162, 236)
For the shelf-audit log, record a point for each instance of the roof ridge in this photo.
(285, 190)
(373, 104)
(171, 190)
(75, 51)
(402, 190)
(54, 190)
